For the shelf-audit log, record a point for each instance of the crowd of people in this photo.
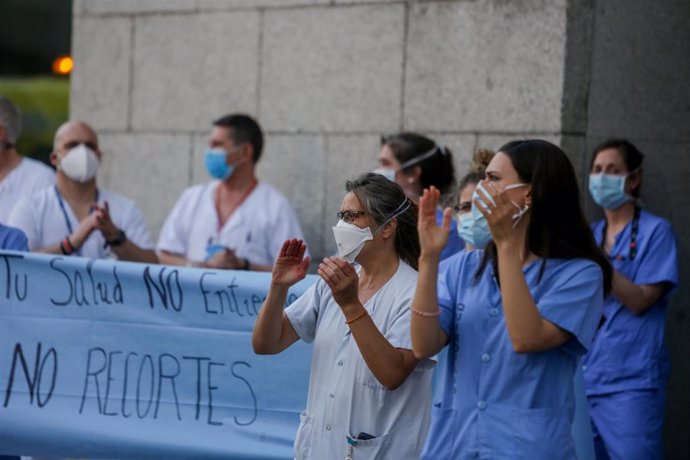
(496, 278)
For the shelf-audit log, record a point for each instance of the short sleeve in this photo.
(303, 313)
(175, 231)
(136, 229)
(24, 218)
(398, 331)
(659, 259)
(14, 239)
(574, 302)
(446, 293)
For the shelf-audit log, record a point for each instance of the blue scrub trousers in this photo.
(628, 425)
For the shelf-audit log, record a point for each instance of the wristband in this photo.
(66, 246)
(426, 314)
(360, 316)
(117, 241)
(246, 265)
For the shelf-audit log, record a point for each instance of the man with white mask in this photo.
(19, 176)
(235, 221)
(75, 217)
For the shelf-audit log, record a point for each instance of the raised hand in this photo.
(82, 233)
(432, 238)
(342, 278)
(290, 266)
(498, 211)
(104, 221)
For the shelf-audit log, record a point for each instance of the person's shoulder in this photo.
(597, 225)
(569, 268)
(462, 258)
(406, 274)
(269, 193)
(33, 166)
(12, 238)
(654, 222)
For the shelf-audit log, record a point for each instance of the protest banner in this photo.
(100, 358)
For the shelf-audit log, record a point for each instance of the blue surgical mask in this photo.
(475, 233)
(216, 165)
(477, 227)
(608, 190)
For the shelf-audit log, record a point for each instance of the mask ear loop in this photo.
(404, 206)
(428, 154)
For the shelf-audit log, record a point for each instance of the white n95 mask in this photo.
(80, 164)
(350, 239)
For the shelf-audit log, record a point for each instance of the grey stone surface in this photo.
(191, 68)
(295, 165)
(151, 169)
(578, 57)
(224, 4)
(640, 70)
(485, 66)
(137, 6)
(462, 146)
(100, 79)
(332, 69)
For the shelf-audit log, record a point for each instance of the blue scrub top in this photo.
(455, 243)
(13, 239)
(497, 403)
(628, 352)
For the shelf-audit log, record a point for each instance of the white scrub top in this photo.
(46, 221)
(29, 177)
(255, 231)
(345, 399)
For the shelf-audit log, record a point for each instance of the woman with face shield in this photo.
(627, 368)
(369, 397)
(517, 315)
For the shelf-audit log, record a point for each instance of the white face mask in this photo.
(350, 239)
(80, 164)
(388, 173)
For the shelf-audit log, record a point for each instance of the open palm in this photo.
(290, 266)
(432, 238)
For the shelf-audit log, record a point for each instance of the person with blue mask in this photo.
(463, 210)
(516, 316)
(235, 221)
(416, 162)
(369, 397)
(627, 367)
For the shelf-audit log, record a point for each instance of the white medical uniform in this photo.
(345, 399)
(46, 221)
(255, 231)
(29, 177)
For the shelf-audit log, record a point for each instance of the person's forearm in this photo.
(167, 258)
(637, 298)
(383, 360)
(425, 330)
(268, 327)
(131, 252)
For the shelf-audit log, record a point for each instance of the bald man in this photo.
(75, 217)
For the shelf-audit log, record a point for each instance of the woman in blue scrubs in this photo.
(416, 162)
(516, 316)
(627, 366)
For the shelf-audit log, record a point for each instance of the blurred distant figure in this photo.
(234, 222)
(75, 217)
(19, 176)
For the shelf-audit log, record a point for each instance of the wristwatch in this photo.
(118, 240)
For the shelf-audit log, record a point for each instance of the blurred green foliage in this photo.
(44, 102)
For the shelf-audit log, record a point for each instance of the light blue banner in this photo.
(123, 360)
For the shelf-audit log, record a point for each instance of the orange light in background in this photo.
(63, 65)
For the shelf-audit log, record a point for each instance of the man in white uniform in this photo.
(234, 222)
(19, 176)
(75, 217)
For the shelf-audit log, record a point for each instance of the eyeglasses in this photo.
(349, 216)
(463, 207)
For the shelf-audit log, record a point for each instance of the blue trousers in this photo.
(628, 425)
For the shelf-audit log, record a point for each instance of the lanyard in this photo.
(70, 229)
(632, 248)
